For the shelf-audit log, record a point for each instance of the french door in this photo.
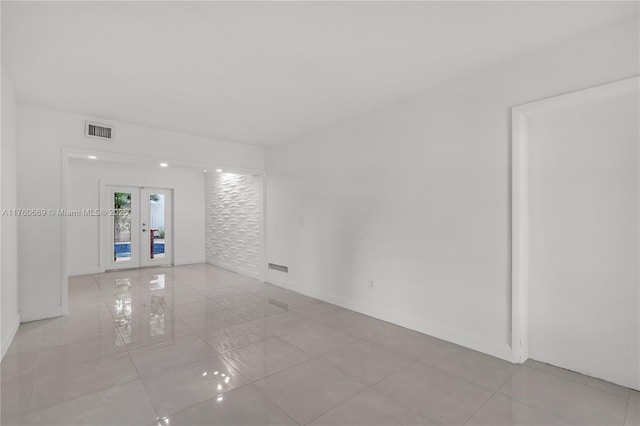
(138, 227)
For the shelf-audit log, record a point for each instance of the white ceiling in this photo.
(261, 72)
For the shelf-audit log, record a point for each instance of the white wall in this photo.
(584, 194)
(10, 320)
(416, 195)
(84, 193)
(234, 222)
(43, 133)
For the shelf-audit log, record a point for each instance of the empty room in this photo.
(320, 213)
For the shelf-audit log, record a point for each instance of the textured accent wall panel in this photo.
(234, 221)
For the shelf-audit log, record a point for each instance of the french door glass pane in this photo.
(156, 221)
(122, 227)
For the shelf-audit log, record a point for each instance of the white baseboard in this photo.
(497, 349)
(241, 271)
(84, 271)
(289, 286)
(35, 314)
(96, 269)
(7, 337)
(188, 261)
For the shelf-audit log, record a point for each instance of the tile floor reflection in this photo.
(199, 345)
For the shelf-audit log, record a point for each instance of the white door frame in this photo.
(520, 203)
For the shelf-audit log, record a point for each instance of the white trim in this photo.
(520, 239)
(84, 271)
(64, 255)
(263, 231)
(520, 202)
(103, 228)
(8, 338)
(497, 349)
(46, 312)
(183, 262)
(236, 270)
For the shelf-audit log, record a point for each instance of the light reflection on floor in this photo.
(199, 345)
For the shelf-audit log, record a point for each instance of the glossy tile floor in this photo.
(198, 345)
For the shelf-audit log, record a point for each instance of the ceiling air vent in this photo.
(98, 131)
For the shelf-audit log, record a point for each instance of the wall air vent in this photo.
(98, 131)
(278, 267)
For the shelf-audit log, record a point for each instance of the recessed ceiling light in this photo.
(164, 165)
(92, 157)
(219, 170)
(205, 171)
